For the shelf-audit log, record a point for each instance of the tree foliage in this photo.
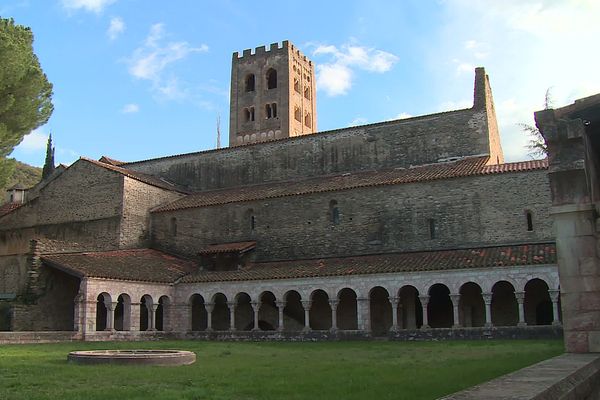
(537, 144)
(49, 163)
(25, 93)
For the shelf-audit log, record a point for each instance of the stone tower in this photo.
(272, 95)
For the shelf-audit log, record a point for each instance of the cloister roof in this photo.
(486, 257)
(144, 265)
(237, 247)
(469, 166)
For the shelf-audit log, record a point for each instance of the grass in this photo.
(226, 370)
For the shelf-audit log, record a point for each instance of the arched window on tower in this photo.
(308, 120)
(297, 85)
(297, 114)
(249, 114)
(268, 112)
(271, 79)
(250, 83)
(307, 93)
(334, 212)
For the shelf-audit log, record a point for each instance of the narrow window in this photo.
(246, 115)
(297, 85)
(334, 212)
(297, 114)
(252, 222)
(173, 227)
(529, 218)
(268, 111)
(271, 79)
(431, 228)
(251, 113)
(274, 110)
(250, 83)
(307, 93)
(307, 120)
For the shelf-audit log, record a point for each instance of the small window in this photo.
(297, 114)
(271, 79)
(173, 226)
(268, 111)
(249, 114)
(308, 120)
(252, 222)
(296, 85)
(307, 93)
(431, 222)
(334, 212)
(274, 109)
(250, 83)
(529, 218)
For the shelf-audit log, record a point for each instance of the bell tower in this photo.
(272, 95)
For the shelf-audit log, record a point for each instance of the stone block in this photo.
(576, 342)
(594, 341)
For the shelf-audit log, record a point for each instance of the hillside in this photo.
(25, 174)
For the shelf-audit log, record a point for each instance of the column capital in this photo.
(306, 304)
(209, 307)
(520, 296)
(255, 305)
(154, 307)
(333, 303)
(554, 294)
(110, 305)
(280, 303)
(487, 298)
(394, 301)
(455, 297)
(424, 298)
(231, 304)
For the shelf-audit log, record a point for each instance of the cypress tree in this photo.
(49, 163)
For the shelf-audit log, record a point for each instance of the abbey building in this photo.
(382, 229)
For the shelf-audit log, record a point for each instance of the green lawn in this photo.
(224, 370)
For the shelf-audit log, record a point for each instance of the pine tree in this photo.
(49, 163)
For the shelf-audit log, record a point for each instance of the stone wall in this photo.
(470, 211)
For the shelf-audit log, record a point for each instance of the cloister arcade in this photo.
(371, 305)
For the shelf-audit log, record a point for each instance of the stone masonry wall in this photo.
(470, 211)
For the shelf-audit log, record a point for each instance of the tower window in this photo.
(529, 218)
(250, 83)
(249, 114)
(334, 212)
(296, 85)
(297, 114)
(307, 120)
(271, 79)
(431, 228)
(307, 93)
(271, 110)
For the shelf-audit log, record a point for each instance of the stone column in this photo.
(134, 322)
(487, 299)
(333, 303)
(90, 315)
(424, 302)
(231, 305)
(209, 309)
(455, 298)
(306, 305)
(394, 302)
(280, 307)
(554, 295)
(521, 300)
(255, 307)
(78, 313)
(110, 315)
(363, 304)
(152, 317)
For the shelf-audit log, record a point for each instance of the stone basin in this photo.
(133, 357)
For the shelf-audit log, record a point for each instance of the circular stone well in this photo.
(133, 357)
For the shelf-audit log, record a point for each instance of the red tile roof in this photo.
(9, 207)
(487, 257)
(145, 178)
(464, 167)
(144, 265)
(238, 247)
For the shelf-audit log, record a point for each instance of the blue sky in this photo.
(137, 79)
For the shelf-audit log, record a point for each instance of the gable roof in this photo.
(144, 265)
(111, 161)
(138, 176)
(484, 257)
(470, 166)
(237, 247)
(8, 207)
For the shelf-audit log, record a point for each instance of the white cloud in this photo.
(34, 142)
(130, 108)
(335, 77)
(96, 6)
(116, 27)
(403, 115)
(358, 121)
(151, 61)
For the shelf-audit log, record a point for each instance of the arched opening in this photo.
(101, 311)
(529, 220)
(123, 313)
(308, 120)
(471, 311)
(334, 212)
(145, 310)
(410, 312)
(162, 313)
(380, 311)
(199, 315)
(440, 310)
(505, 309)
(250, 83)
(320, 311)
(244, 314)
(220, 313)
(538, 306)
(293, 312)
(297, 85)
(297, 114)
(271, 79)
(307, 93)
(268, 313)
(347, 318)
